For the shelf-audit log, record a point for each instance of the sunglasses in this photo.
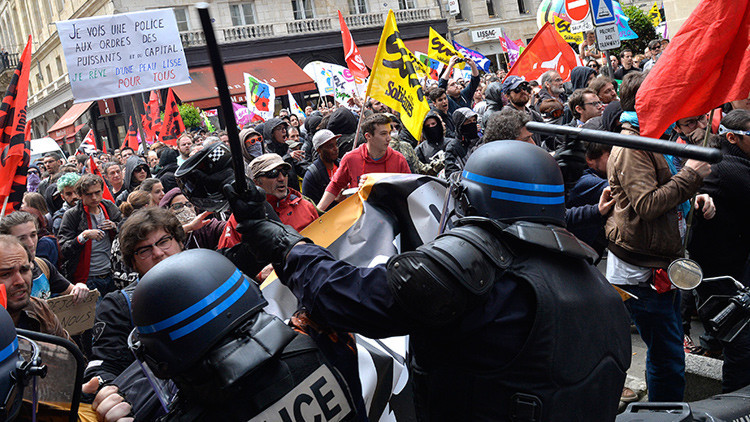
(141, 168)
(524, 87)
(272, 174)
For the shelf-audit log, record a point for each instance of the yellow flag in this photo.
(563, 28)
(654, 14)
(440, 49)
(394, 80)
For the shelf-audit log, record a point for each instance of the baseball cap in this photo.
(321, 137)
(512, 82)
(266, 162)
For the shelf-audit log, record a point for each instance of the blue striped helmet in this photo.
(11, 388)
(186, 304)
(511, 181)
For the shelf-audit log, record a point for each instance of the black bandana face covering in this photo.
(469, 131)
(433, 134)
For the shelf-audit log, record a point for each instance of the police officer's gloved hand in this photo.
(269, 240)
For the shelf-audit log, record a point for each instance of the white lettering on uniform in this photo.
(319, 397)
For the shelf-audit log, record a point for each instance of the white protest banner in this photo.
(112, 56)
(336, 81)
(75, 317)
(261, 97)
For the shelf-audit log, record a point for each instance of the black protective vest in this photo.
(296, 385)
(570, 367)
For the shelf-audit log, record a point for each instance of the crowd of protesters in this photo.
(631, 206)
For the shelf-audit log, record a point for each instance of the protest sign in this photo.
(440, 49)
(112, 56)
(563, 28)
(261, 97)
(75, 317)
(336, 81)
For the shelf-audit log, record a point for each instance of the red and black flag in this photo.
(14, 158)
(152, 119)
(172, 127)
(95, 170)
(131, 139)
(88, 145)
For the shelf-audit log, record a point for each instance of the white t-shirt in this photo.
(621, 272)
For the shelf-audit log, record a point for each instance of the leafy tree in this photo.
(190, 116)
(641, 25)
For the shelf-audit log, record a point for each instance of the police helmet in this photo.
(202, 177)
(510, 181)
(11, 385)
(185, 305)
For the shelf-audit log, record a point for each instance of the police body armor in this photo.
(272, 374)
(572, 364)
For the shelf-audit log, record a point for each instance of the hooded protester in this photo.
(201, 233)
(493, 96)
(467, 140)
(136, 171)
(32, 179)
(252, 144)
(167, 167)
(434, 138)
(343, 122)
(580, 77)
(307, 131)
(275, 136)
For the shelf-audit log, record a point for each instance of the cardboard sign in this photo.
(112, 56)
(75, 317)
(261, 97)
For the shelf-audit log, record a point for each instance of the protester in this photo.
(626, 56)
(274, 135)
(587, 50)
(32, 179)
(252, 142)
(27, 312)
(86, 235)
(113, 175)
(136, 171)
(457, 96)
(155, 190)
(343, 122)
(184, 147)
(66, 186)
(374, 156)
(201, 231)
(167, 167)
(321, 171)
(585, 105)
(433, 145)
(654, 47)
(439, 101)
(52, 162)
(458, 150)
(126, 153)
(552, 88)
(508, 124)
(604, 89)
(518, 94)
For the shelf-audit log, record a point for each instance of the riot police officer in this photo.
(507, 316)
(200, 323)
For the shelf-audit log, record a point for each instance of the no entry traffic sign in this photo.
(577, 9)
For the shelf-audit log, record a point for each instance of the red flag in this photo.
(95, 170)
(152, 119)
(14, 155)
(88, 145)
(3, 296)
(546, 51)
(131, 139)
(706, 64)
(351, 52)
(104, 147)
(172, 127)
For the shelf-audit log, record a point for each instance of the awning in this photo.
(72, 137)
(280, 72)
(65, 126)
(368, 51)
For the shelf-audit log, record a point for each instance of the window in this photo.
(522, 9)
(460, 16)
(58, 63)
(183, 24)
(242, 14)
(406, 4)
(357, 7)
(490, 8)
(49, 74)
(303, 9)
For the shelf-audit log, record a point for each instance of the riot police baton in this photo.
(709, 155)
(238, 163)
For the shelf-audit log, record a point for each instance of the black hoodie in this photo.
(168, 165)
(427, 149)
(343, 122)
(129, 183)
(282, 149)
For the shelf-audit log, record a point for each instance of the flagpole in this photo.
(359, 123)
(5, 204)
(137, 117)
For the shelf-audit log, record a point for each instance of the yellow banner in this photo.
(563, 28)
(394, 80)
(440, 49)
(654, 14)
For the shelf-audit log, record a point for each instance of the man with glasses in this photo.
(690, 130)
(86, 235)
(552, 88)
(655, 48)
(585, 105)
(518, 92)
(271, 173)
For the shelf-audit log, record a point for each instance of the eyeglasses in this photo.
(272, 174)
(252, 141)
(520, 88)
(693, 122)
(139, 169)
(594, 103)
(177, 206)
(146, 252)
(33, 172)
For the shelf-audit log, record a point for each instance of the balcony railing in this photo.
(248, 32)
(304, 26)
(8, 61)
(364, 20)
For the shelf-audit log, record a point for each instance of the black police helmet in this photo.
(11, 389)
(510, 181)
(186, 304)
(202, 177)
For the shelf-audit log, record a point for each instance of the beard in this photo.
(556, 90)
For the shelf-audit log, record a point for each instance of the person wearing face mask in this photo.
(201, 231)
(402, 141)
(467, 140)
(431, 151)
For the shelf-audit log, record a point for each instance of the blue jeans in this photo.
(657, 317)
(105, 284)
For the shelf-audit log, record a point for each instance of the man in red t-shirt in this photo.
(374, 156)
